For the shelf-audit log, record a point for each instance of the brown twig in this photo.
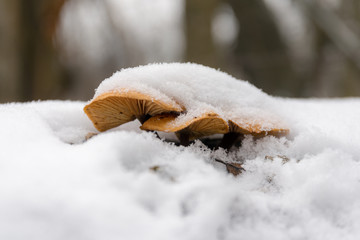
(233, 168)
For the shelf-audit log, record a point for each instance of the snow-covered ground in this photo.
(128, 184)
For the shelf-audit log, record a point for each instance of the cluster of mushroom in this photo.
(111, 109)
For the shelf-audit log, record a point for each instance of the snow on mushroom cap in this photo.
(132, 86)
(196, 87)
(265, 122)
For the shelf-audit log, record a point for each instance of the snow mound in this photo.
(198, 88)
(128, 184)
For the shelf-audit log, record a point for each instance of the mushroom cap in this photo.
(258, 127)
(112, 109)
(204, 125)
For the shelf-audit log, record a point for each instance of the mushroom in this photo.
(204, 125)
(112, 109)
(258, 127)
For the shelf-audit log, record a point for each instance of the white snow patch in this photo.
(198, 88)
(127, 184)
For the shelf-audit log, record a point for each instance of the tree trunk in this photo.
(261, 51)
(41, 75)
(199, 43)
(9, 57)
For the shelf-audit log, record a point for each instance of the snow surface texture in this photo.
(127, 184)
(198, 88)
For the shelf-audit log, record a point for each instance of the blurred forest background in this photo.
(63, 49)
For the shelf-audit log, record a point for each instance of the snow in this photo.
(198, 88)
(128, 184)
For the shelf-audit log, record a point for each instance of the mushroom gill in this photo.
(112, 109)
(196, 127)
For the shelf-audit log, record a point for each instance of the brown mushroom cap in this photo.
(204, 125)
(258, 127)
(112, 109)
